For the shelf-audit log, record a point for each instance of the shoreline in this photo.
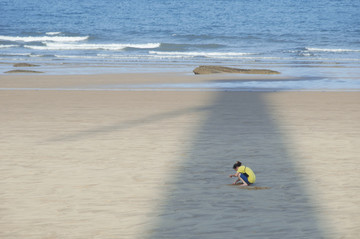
(339, 68)
(179, 76)
(175, 81)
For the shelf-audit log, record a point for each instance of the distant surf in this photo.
(7, 46)
(43, 38)
(204, 54)
(112, 47)
(331, 50)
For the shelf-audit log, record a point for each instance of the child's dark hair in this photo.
(237, 164)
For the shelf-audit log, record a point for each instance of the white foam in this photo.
(44, 38)
(15, 54)
(204, 54)
(19, 54)
(110, 56)
(330, 50)
(111, 47)
(119, 56)
(7, 46)
(52, 33)
(76, 57)
(34, 55)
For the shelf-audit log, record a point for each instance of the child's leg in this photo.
(244, 180)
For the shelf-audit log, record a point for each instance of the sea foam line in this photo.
(123, 57)
(43, 38)
(15, 54)
(330, 50)
(7, 46)
(113, 47)
(52, 33)
(205, 54)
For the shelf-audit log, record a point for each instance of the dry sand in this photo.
(105, 164)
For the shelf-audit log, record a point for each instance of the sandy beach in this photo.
(155, 164)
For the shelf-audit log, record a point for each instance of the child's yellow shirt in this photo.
(248, 171)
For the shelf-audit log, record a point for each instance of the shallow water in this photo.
(223, 85)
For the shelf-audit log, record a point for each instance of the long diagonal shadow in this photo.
(118, 126)
(199, 203)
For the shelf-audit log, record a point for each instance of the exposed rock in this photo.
(24, 65)
(222, 69)
(23, 71)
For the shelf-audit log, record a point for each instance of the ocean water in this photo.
(301, 38)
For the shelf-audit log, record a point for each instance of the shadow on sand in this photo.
(199, 203)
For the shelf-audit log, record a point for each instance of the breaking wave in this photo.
(330, 50)
(7, 46)
(202, 54)
(111, 47)
(43, 38)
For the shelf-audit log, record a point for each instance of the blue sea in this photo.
(299, 38)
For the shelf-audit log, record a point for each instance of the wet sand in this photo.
(150, 164)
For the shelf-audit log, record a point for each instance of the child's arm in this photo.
(235, 175)
(236, 181)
